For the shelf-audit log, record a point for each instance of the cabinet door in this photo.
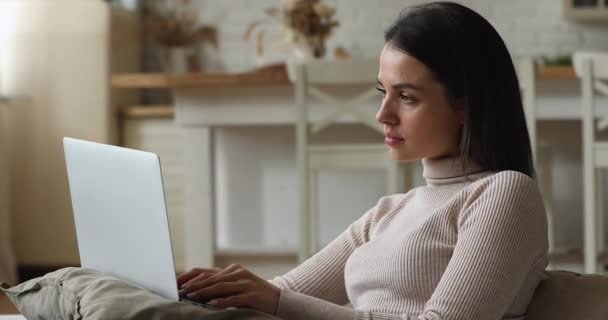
(24, 54)
(164, 138)
(7, 257)
(56, 54)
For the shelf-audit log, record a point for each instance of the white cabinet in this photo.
(254, 175)
(57, 53)
(586, 10)
(164, 138)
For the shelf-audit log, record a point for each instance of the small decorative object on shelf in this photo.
(586, 10)
(176, 28)
(559, 60)
(556, 67)
(585, 3)
(305, 25)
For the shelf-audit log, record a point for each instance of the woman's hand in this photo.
(195, 275)
(233, 286)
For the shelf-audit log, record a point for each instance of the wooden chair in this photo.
(313, 102)
(526, 73)
(592, 68)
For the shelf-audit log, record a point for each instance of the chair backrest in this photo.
(310, 77)
(351, 71)
(592, 68)
(598, 61)
(326, 92)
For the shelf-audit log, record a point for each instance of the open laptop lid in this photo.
(120, 214)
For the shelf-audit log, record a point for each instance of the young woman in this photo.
(472, 243)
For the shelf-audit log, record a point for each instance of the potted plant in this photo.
(177, 30)
(305, 26)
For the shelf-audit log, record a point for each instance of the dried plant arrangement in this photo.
(304, 23)
(176, 25)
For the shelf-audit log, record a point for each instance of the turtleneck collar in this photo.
(449, 170)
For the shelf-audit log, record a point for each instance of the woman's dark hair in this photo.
(468, 57)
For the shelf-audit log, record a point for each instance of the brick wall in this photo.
(527, 26)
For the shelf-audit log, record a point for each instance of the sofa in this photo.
(563, 295)
(568, 295)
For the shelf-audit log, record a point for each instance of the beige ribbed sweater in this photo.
(458, 248)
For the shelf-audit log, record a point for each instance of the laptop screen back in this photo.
(120, 214)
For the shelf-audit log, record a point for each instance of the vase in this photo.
(176, 59)
(303, 52)
(309, 48)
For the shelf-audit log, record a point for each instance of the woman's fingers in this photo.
(196, 279)
(218, 290)
(187, 287)
(234, 286)
(206, 280)
(185, 277)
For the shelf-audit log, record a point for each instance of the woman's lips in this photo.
(392, 141)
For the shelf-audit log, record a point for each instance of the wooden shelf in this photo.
(592, 12)
(556, 73)
(147, 112)
(274, 75)
(596, 15)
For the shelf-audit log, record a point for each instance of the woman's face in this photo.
(419, 120)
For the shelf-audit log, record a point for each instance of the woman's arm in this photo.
(502, 234)
(322, 275)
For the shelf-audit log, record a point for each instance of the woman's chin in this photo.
(399, 155)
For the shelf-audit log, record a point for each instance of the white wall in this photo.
(527, 26)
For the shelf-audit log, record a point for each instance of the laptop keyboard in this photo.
(201, 304)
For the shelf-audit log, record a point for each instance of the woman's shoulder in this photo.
(504, 187)
(509, 199)
(505, 181)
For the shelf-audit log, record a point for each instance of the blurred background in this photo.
(206, 85)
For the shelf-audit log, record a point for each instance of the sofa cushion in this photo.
(569, 295)
(75, 293)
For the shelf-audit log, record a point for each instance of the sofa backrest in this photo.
(569, 295)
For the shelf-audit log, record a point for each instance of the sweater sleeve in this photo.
(502, 233)
(322, 275)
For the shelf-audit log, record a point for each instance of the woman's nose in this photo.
(385, 115)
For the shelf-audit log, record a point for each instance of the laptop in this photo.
(120, 214)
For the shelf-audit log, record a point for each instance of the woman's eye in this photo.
(406, 99)
(382, 91)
